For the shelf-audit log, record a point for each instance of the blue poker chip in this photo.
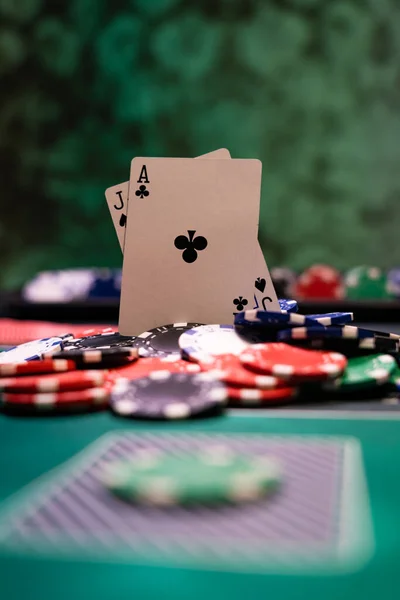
(348, 332)
(288, 305)
(335, 318)
(32, 350)
(164, 395)
(267, 318)
(106, 284)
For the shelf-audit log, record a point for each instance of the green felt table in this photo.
(30, 447)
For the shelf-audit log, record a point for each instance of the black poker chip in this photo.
(98, 357)
(351, 347)
(168, 396)
(103, 340)
(163, 340)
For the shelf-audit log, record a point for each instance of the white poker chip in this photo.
(201, 343)
(32, 350)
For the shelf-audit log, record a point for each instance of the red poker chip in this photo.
(36, 367)
(320, 282)
(143, 367)
(90, 398)
(93, 331)
(14, 332)
(255, 397)
(229, 369)
(292, 363)
(73, 380)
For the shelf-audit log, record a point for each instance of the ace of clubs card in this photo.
(190, 245)
(117, 198)
(264, 292)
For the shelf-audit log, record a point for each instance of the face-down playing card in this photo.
(190, 245)
(318, 519)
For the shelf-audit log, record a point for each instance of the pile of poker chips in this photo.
(324, 282)
(317, 282)
(186, 370)
(72, 285)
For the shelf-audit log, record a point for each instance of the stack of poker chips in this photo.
(317, 282)
(185, 370)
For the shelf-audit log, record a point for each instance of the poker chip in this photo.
(253, 397)
(164, 395)
(210, 476)
(272, 319)
(36, 367)
(163, 340)
(283, 279)
(172, 363)
(32, 350)
(73, 380)
(204, 341)
(366, 282)
(334, 318)
(90, 331)
(292, 363)
(364, 372)
(97, 356)
(100, 341)
(319, 282)
(338, 331)
(395, 378)
(393, 282)
(288, 305)
(78, 399)
(351, 347)
(228, 369)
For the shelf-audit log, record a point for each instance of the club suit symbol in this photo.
(240, 303)
(190, 245)
(142, 192)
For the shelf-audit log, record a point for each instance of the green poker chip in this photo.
(365, 372)
(209, 476)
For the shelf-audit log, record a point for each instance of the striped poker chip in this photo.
(292, 363)
(100, 341)
(288, 305)
(205, 341)
(254, 397)
(145, 366)
(73, 380)
(163, 340)
(170, 396)
(58, 401)
(338, 331)
(365, 372)
(350, 347)
(32, 350)
(228, 369)
(334, 318)
(36, 367)
(274, 319)
(84, 357)
(206, 477)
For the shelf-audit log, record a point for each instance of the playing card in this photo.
(190, 245)
(318, 519)
(265, 297)
(117, 198)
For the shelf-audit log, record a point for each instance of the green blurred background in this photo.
(310, 87)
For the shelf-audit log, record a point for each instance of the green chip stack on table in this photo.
(367, 283)
(211, 477)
